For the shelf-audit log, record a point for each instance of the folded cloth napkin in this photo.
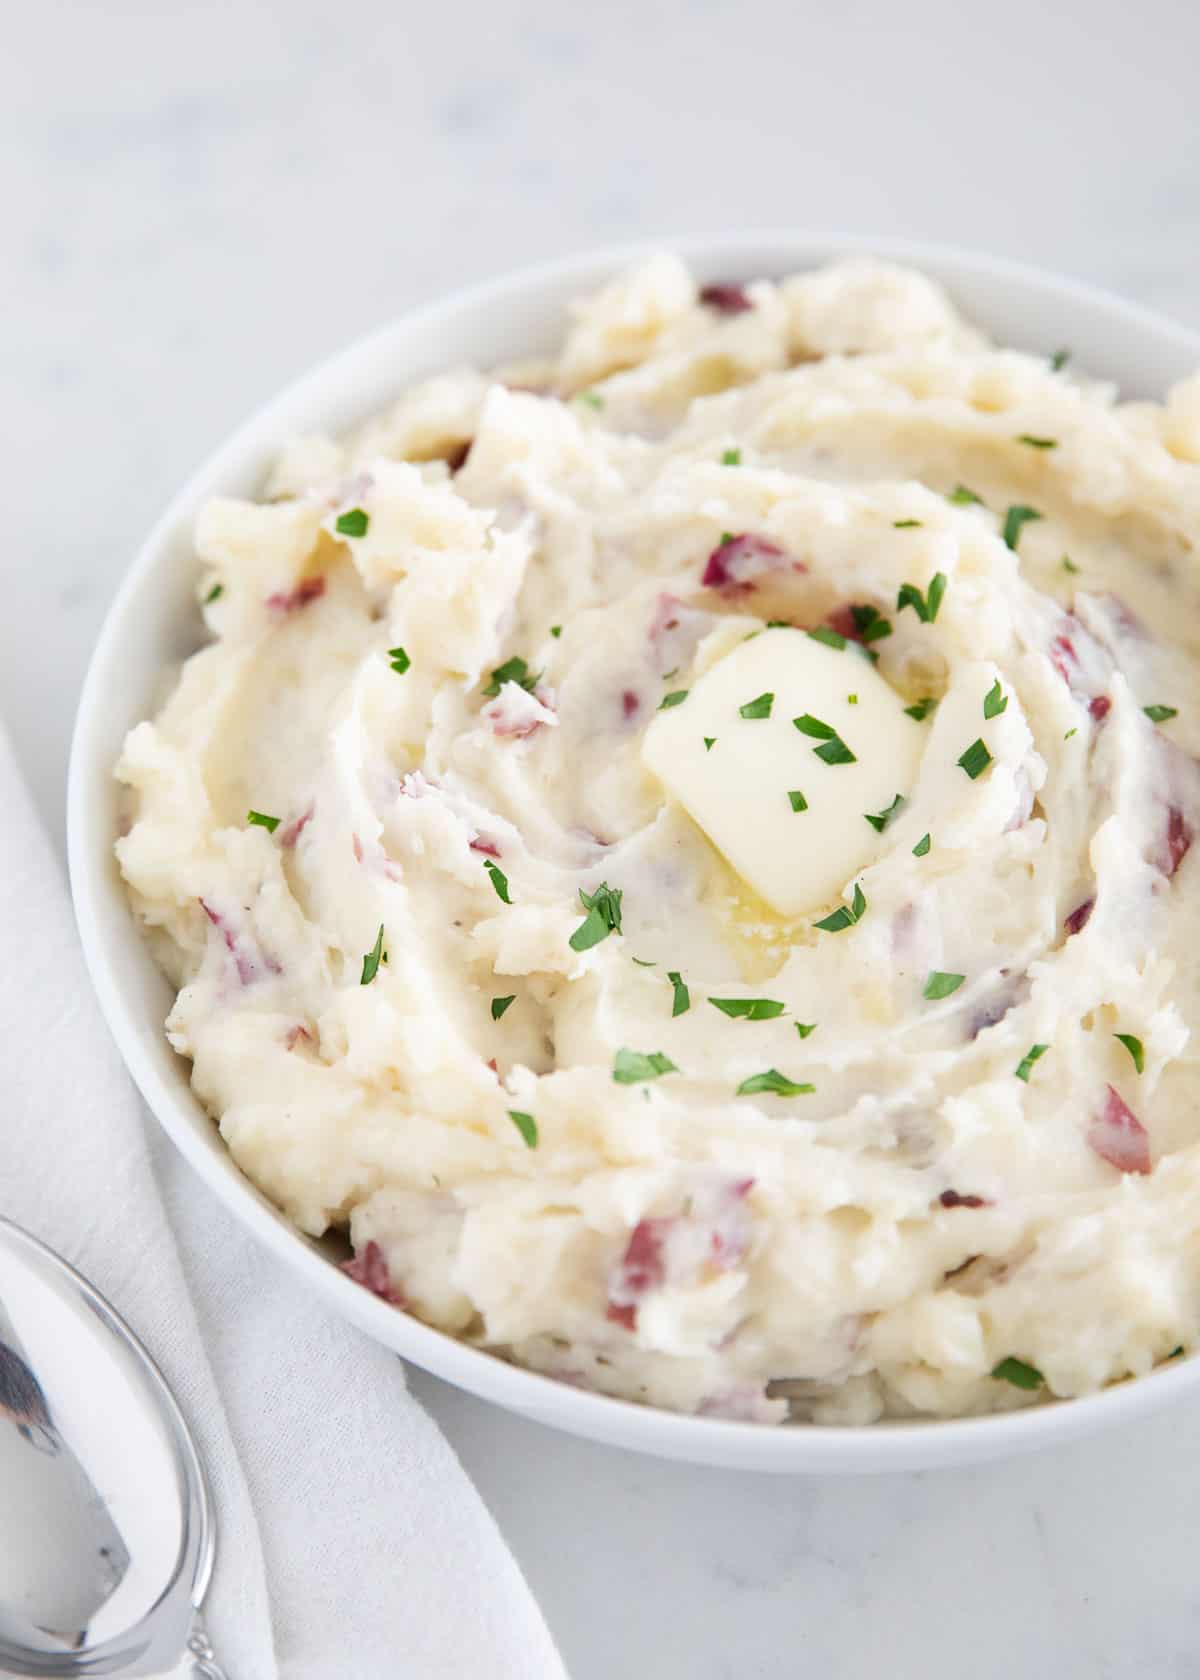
(351, 1546)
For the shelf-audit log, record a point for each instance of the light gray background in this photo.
(197, 200)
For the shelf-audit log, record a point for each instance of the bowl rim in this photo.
(885, 1446)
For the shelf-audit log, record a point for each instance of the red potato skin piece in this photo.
(294, 830)
(728, 562)
(291, 600)
(1178, 840)
(952, 1199)
(630, 704)
(1118, 1136)
(726, 298)
(370, 1269)
(1100, 707)
(1079, 917)
(489, 848)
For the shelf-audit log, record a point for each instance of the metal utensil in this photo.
(106, 1532)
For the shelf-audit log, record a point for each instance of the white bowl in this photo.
(153, 623)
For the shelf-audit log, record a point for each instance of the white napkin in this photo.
(350, 1543)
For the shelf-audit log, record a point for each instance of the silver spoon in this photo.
(106, 1531)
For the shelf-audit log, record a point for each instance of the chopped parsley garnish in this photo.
(1020, 1375)
(995, 701)
(259, 819)
(797, 800)
(352, 523)
(805, 1027)
(831, 638)
(556, 631)
(1037, 442)
(749, 1009)
(630, 1067)
(759, 708)
(881, 819)
(709, 741)
(526, 1125)
(399, 660)
(779, 624)
(852, 699)
(682, 1000)
(905, 524)
(1025, 1066)
(846, 914)
(499, 1005)
(1175, 1352)
(731, 458)
(975, 760)
(1013, 521)
(962, 497)
(645, 962)
(1068, 565)
(214, 594)
(603, 917)
(773, 1082)
(922, 846)
(941, 985)
(925, 606)
(1160, 714)
(674, 699)
(593, 399)
(1071, 732)
(499, 880)
(921, 710)
(1059, 360)
(833, 750)
(1135, 1048)
(870, 623)
(373, 959)
(512, 670)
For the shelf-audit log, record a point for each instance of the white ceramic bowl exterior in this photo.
(153, 624)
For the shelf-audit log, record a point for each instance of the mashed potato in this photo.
(485, 953)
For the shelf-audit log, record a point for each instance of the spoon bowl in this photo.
(106, 1531)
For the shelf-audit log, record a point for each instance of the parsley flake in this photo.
(214, 594)
(500, 1004)
(593, 399)
(708, 740)
(852, 699)
(1160, 714)
(830, 638)
(805, 1027)
(731, 458)
(1025, 1066)
(881, 819)
(498, 879)
(630, 1067)
(773, 1082)
(921, 710)
(1059, 360)
(1068, 565)
(645, 962)
(749, 1009)
(995, 701)
(352, 523)
(1071, 732)
(399, 660)
(603, 917)
(975, 760)
(1018, 1373)
(759, 708)
(797, 800)
(512, 670)
(846, 915)
(526, 1125)
(941, 985)
(259, 819)
(674, 699)
(556, 631)
(1037, 442)
(682, 1000)
(962, 497)
(925, 606)
(1013, 521)
(905, 524)
(833, 750)
(1135, 1048)
(870, 623)
(922, 846)
(373, 959)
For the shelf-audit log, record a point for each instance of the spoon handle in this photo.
(205, 1665)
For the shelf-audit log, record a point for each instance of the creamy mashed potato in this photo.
(723, 1017)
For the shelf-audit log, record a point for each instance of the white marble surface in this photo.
(201, 198)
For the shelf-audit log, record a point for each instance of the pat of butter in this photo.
(739, 789)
